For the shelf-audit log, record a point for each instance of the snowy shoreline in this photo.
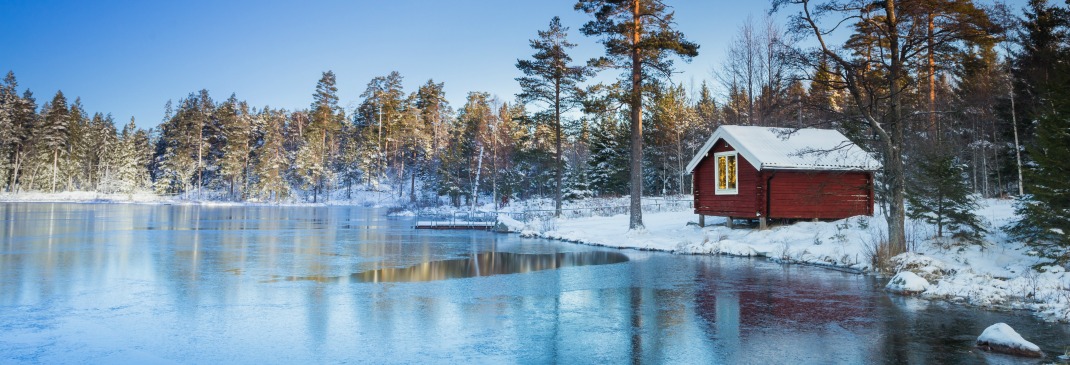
(1000, 275)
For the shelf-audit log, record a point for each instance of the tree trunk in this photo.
(894, 159)
(557, 152)
(18, 162)
(934, 128)
(1017, 148)
(55, 162)
(635, 220)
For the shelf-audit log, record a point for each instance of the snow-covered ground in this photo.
(340, 197)
(82, 197)
(999, 274)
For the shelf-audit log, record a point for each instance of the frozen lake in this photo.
(116, 283)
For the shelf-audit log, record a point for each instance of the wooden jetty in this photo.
(483, 221)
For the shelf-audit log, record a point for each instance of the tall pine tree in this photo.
(549, 78)
(639, 37)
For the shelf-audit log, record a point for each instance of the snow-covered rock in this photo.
(907, 283)
(1002, 338)
(927, 267)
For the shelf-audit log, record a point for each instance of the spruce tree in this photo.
(1042, 74)
(940, 195)
(1045, 211)
(608, 165)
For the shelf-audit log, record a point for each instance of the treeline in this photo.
(414, 144)
(959, 101)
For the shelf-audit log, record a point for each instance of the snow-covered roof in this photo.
(787, 148)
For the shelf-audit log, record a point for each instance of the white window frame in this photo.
(717, 174)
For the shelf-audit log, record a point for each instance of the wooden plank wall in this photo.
(820, 194)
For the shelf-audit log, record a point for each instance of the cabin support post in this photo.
(701, 221)
(762, 223)
(728, 222)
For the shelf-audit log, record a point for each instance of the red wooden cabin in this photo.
(760, 173)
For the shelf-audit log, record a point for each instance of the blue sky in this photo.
(129, 57)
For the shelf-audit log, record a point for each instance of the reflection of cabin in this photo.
(759, 173)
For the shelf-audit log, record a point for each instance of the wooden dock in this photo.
(483, 226)
(483, 221)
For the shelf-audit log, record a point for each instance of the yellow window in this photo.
(726, 172)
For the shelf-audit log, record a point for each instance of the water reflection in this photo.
(483, 264)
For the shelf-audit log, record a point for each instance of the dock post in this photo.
(701, 221)
(728, 222)
(762, 223)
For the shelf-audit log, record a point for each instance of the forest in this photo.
(960, 100)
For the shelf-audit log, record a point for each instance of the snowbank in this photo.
(906, 282)
(365, 198)
(1001, 274)
(82, 197)
(1002, 338)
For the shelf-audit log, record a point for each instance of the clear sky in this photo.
(129, 57)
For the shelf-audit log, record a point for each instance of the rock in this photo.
(1003, 339)
(907, 283)
(927, 267)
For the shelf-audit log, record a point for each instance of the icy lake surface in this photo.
(114, 283)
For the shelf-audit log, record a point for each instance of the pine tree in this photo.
(875, 64)
(53, 133)
(237, 132)
(100, 146)
(671, 120)
(377, 122)
(435, 115)
(638, 36)
(9, 101)
(25, 121)
(127, 171)
(550, 79)
(271, 158)
(314, 158)
(178, 148)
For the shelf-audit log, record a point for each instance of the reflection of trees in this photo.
(487, 264)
